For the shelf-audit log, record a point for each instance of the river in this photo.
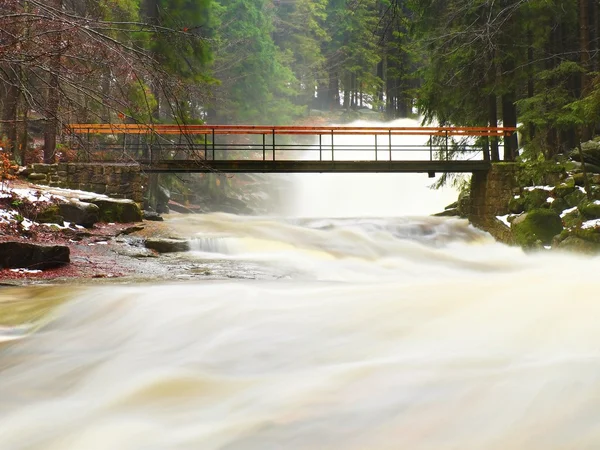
(351, 333)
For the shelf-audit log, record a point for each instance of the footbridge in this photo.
(161, 148)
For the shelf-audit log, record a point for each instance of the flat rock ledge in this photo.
(167, 245)
(24, 255)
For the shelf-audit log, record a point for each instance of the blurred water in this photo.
(416, 333)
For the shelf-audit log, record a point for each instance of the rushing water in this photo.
(380, 334)
(356, 333)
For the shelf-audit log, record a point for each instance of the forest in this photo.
(532, 63)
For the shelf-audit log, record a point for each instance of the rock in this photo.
(153, 216)
(15, 254)
(535, 198)
(578, 244)
(589, 210)
(177, 207)
(118, 210)
(579, 179)
(130, 230)
(516, 205)
(37, 177)
(167, 245)
(80, 213)
(572, 219)
(564, 189)
(50, 214)
(559, 205)
(448, 213)
(536, 227)
(574, 198)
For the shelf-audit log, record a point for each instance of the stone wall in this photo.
(114, 180)
(490, 194)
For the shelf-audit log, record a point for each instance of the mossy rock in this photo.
(118, 211)
(535, 198)
(572, 219)
(574, 198)
(516, 205)
(579, 179)
(579, 245)
(564, 189)
(536, 227)
(50, 214)
(589, 209)
(559, 205)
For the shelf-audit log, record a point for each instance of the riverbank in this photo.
(104, 250)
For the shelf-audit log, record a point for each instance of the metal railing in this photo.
(155, 142)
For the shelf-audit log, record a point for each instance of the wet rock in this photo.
(80, 213)
(15, 254)
(448, 213)
(167, 245)
(153, 216)
(130, 230)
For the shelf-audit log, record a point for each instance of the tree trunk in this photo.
(584, 57)
(53, 97)
(509, 119)
(493, 121)
(9, 110)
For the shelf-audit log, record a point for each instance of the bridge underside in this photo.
(260, 166)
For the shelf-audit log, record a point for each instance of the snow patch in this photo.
(568, 211)
(504, 220)
(595, 223)
(543, 188)
(550, 200)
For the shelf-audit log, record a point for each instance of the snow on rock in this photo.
(568, 211)
(543, 188)
(504, 220)
(594, 223)
(550, 200)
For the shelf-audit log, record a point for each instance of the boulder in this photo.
(536, 227)
(535, 198)
(589, 209)
(80, 213)
(153, 216)
(574, 198)
(579, 245)
(167, 245)
(50, 214)
(117, 210)
(15, 254)
(516, 205)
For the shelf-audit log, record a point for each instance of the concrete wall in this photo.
(114, 180)
(490, 194)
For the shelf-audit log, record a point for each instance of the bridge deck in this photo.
(259, 166)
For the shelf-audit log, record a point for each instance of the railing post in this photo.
(213, 144)
(390, 142)
(332, 158)
(205, 147)
(446, 145)
(376, 146)
(264, 146)
(320, 147)
(273, 144)
(430, 147)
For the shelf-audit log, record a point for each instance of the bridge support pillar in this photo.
(490, 193)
